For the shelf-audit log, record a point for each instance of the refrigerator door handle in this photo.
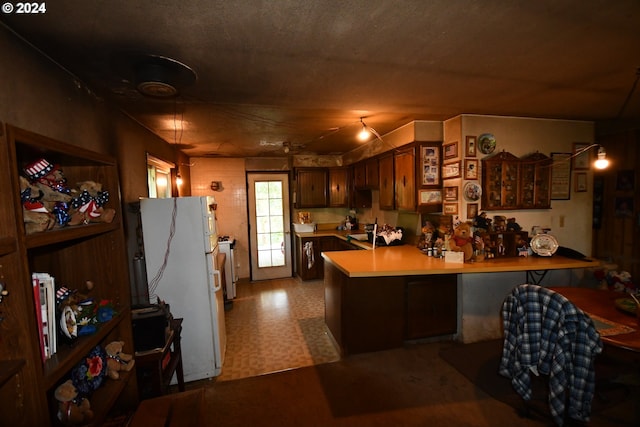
(217, 284)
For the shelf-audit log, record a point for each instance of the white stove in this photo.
(227, 246)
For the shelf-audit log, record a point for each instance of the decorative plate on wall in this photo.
(486, 143)
(472, 192)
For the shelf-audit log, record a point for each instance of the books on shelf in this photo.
(44, 295)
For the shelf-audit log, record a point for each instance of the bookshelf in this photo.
(73, 255)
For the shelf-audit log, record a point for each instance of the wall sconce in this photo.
(178, 179)
(216, 185)
(601, 162)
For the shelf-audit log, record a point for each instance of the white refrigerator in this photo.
(180, 250)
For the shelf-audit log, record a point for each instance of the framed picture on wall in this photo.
(624, 207)
(472, 210)
(451, 170)
(450, 150)
(430, 197)
(450, 209)
(581, 156)
(470, 146)
(581, 182)
(470, 168)
(430, 164)
(625, 180)
(451, 194)
(561, 176)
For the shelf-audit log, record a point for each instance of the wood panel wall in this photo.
(618, 239)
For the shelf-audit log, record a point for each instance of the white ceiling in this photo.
(303, 72)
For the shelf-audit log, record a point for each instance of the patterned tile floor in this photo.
(276, 325)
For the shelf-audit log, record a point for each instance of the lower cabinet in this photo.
(431, 306)
(309, 261)
(307, 258)
(366, 314)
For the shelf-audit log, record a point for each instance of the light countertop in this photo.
(408, 260)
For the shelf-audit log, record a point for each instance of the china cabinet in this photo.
(73, 255)
(535, 179)
(500, 181)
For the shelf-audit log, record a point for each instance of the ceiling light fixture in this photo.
(364, 133)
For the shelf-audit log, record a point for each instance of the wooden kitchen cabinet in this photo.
(366, 314)
(431, 306)
(311, 188)
(405, 179)
(308, 258)
(72, 255)
(386, 179)
(315, 270)
(366, 174)
(339, 187)
(360, 176)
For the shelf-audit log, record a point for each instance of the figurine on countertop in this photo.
(462, 240)
(481, 222)
(512, 225)
(499, 223)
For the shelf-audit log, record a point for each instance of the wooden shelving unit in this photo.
(73, 255)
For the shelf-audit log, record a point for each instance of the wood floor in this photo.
(278, 325)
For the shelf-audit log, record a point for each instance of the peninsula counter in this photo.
(378, 299)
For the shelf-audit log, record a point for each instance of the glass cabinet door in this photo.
(501, 180)
(535, 173)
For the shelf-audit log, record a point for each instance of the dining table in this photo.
(618, 325)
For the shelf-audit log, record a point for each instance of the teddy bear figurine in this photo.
(73, 410)
(90, 201)
(117, 360)
(49, 183)
(36, 216)
(47, 176)
(462, 240)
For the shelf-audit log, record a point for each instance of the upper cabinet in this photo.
(339, 187)
(311, 188)
(510, 182)
(386, 165)
(366, 174)
(405, 179)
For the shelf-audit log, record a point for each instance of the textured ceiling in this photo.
(303, 73)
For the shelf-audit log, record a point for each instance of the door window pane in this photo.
(270, 223)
